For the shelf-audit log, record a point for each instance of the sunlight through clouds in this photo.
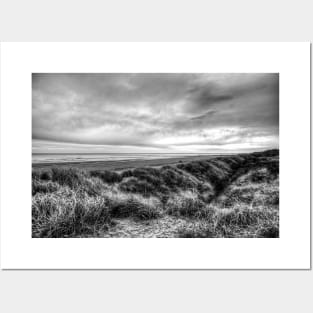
(163, 112)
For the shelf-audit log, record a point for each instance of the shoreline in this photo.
(124, 164)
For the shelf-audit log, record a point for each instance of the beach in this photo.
(124, 164)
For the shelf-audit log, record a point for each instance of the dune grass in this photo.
(186, 204)
(66, 213)
(234, 196)
(235, 223)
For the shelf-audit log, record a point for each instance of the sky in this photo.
(154, 112)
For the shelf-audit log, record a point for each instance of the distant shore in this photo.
(124, 164)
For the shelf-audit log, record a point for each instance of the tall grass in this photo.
(186, 204)
(237, 222)
(126, 205)
(157, 182)
(67, 214)
(61, 211)
(68, 202)
(107, 176)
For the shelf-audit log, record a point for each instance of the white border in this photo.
(290, 251)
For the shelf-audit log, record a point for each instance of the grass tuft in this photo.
(126, 205)
(56, 216)
(186, 204)
(107, 176)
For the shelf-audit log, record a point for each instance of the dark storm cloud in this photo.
(156, 110)
(204, 96)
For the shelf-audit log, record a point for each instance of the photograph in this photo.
(163, 155)
(179, 163)
(156, 156)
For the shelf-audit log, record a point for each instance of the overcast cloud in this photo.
(200, 113)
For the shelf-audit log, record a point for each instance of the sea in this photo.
(83, 157)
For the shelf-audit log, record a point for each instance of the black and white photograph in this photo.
(155, 155)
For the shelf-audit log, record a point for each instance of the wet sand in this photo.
(125, 164)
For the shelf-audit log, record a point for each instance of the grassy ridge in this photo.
(233, 196)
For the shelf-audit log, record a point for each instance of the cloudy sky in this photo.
(179, 113)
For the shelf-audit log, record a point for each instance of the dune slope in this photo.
(229, 196)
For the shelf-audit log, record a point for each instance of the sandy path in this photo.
(163, 227)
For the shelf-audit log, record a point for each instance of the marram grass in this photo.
(234, 196)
